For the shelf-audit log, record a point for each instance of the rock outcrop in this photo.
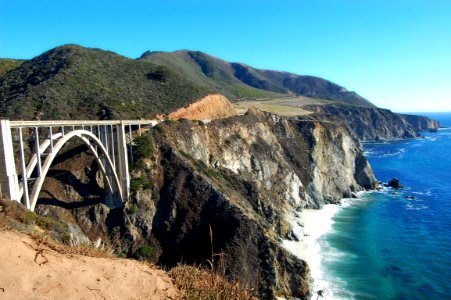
(372, 124)
(213, 106)
(395, 183)
(227, 187)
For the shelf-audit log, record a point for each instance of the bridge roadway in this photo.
(109, 141)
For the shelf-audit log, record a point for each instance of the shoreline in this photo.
(309, 226)
(317, 223)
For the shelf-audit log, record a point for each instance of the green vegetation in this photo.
(142, 150)
(239, 81)
(208, 71)
(72, 82)
(7, 65)
(29, 220)
(141, 182)
(145, 252)
(132, 208)
(142, 147)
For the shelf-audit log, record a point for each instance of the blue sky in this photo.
(395, 53)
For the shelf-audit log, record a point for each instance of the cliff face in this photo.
(317, 158)
(370, 124)
(420, 123)
(228, 187)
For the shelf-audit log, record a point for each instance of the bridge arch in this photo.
(89, 139)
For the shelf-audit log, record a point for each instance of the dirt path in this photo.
(28, 272)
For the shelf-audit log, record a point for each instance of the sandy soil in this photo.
(211, 107)
(27, 273)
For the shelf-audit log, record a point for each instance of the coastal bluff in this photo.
(224, 187)
(374, 124)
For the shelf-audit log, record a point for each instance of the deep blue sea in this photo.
(386, 246)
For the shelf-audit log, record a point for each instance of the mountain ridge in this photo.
(272, 82)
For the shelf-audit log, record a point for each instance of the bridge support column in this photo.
(123, 161)
(9, 184)
(112, 197)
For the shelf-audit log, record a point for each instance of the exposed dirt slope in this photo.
(32, 271)
(213, 106)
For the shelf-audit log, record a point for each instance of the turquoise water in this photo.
(386, 246)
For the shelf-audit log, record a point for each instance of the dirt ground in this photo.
(29, 270)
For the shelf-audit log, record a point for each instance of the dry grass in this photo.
(45, 242)
(288, 107)
(203, 284)
(284, 106)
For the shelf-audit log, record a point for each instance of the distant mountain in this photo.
(239, 81)
(72, 82)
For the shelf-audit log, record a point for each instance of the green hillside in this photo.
(72, 82)
(208, 71)
(7, 65)
(239, 81)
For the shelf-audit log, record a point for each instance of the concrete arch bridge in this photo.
(23, 170)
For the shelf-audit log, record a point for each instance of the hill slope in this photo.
(7, 65)
(53, 275)
(72, 82)
(237, 80)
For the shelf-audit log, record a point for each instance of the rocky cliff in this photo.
(372, 124)
(224, 189)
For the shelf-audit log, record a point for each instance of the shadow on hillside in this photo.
(54, 201)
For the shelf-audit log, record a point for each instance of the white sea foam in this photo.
(410, 206)
(309, 226)
(428, 193)
(376, 153)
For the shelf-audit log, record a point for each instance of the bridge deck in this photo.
(56, 123)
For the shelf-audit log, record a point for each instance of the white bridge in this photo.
(24, 169)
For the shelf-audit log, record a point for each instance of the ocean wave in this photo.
(346, 202)
(428, 193)
(431, 139)
(411, 206)
(380, 153)
(395, 153)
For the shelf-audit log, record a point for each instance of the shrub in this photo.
(144, 252)
(141, 182)
(142, 149)
(143, 146)
(132, 208)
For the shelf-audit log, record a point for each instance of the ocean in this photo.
(395, 244)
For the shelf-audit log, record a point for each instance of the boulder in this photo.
(394, 183)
